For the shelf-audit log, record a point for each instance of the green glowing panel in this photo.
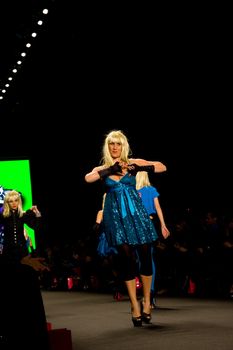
(15, 175)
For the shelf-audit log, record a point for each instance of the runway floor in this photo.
(98, 322)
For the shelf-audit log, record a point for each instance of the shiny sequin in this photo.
(125, 218)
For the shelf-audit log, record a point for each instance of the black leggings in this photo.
(130, 267)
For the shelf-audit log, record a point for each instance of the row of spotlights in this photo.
(19, 62)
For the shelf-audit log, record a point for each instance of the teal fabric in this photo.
(125, 217)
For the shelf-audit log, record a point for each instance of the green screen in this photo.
(15, 175)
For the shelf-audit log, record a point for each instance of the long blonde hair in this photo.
(142, 180)
(119, 137)
(6, 208)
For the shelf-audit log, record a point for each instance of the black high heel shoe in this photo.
(146, 318)
(137, 321)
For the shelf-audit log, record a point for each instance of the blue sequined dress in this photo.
(125, 217)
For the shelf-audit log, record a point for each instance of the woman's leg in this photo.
(128, 268)
(152, 290)
(132, 292)
(145, 256)
(146, 285)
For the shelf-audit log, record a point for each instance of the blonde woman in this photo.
(126, 222)
(13, 218)
(20, 288)
(149, 196)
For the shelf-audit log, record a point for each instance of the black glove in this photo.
(133, 169)
(112, 170)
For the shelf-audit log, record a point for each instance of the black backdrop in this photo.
(159, 74)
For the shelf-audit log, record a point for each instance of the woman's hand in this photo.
(37, 264)
(36, 211)
(165, 232)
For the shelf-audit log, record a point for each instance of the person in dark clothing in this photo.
(209, 245)
(22, 317)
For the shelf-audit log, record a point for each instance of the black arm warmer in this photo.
(134, 168)
(114, 169)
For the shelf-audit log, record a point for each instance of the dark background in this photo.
(162, 75)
